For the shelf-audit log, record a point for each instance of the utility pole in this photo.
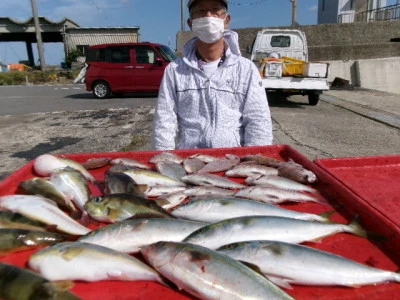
(38, 34)
(294, 13)
(182, 15)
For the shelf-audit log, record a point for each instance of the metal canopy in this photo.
(12, 30)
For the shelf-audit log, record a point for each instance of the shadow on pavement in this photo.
(276, 100)
(90, 96)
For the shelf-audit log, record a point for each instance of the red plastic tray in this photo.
(359, 249)
(375, 180)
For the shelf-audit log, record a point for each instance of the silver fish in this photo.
(160, 190)
(171, 200)
(43, 210)
(129, 162)
(208, 190)
(204, 157)
(211, 180)
(46, 163)
(275, 195)
(166, 156)
(192, 165)
(250, 169)
(220, 165)
(89, 262)
(285, 264)
(130, 236)
(218, 209)
(207, 274)
(280, 182)
(151, 178)
(171, 169)
(267, 228)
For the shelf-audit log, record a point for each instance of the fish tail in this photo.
(327, 215)
(357, 229)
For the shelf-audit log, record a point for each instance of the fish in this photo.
(43, 210)
(151, 178)
(281, 229)
(211, 180)
(193, 164)
(296, 172)
(22, 284)
(73, 184)
(208, 274)
(216, 209)
(13, 240)
(262, 159)
(117, 207)
(159, 190)
(172, 200)
(171, 169)
(286, 264)
(96, 162)
(10, 219)
(121, 183)
(249, 170)
(129, 236)
(44, 164)
(204, 157)
(208, 190)
(90, 263)
(220, 165)
(129, 162)
(280, 182)
(44, 187)
(166, 156)
(275, 195)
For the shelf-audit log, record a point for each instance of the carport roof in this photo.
(12, 30)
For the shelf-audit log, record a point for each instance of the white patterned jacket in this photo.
(229, 109)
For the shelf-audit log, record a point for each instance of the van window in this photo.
(145, 55)
(96, 54)
(119, 55)
(281, 41)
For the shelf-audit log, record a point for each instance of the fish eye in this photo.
(98, 199)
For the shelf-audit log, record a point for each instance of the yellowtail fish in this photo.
(43, 210)
(89, 262)
(10, 219)
(267, 228)
(130, 236)
(285, 264)
(207, 274)
(44, 187)
(22, 284)
(46, 163)
(117, 207)
(13, 240)
(216, 209)
(151, 178)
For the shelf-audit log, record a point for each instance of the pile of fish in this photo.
(210, 226)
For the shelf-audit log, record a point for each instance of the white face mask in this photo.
(208, 29)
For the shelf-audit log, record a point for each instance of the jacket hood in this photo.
(233, 52)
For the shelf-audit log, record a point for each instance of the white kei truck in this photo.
(282, 58)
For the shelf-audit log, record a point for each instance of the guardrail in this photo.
(387, 13)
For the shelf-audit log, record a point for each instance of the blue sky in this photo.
(159, 20)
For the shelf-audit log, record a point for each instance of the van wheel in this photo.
(101, 90)
(313, 99)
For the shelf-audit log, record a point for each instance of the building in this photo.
(348, 11)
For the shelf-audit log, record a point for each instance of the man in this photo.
(212, 97)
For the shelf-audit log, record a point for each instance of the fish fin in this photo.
(141, 188)
(161, 202)
(356, 227)
(62, 285)
(327, 215)
(279, 281)
(85, 220)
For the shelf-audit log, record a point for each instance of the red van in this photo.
(122, 68)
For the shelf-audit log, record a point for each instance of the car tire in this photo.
(101, 90)
(313, 99)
